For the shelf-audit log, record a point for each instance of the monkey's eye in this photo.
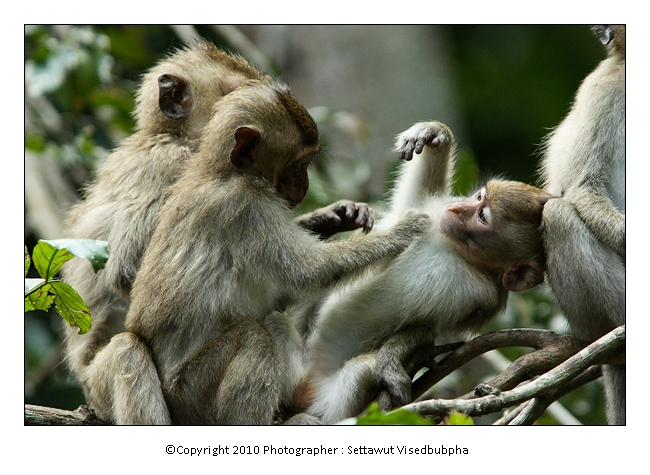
(482, 216)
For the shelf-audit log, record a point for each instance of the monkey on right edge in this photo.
(584, 230)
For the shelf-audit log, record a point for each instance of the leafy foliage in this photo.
(375, 416)
(458, 419)
(48, 257)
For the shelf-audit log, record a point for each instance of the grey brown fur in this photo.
(227, 258)
(121, 207)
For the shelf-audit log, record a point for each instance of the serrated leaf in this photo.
(96, 252)
(71, 306)
(48, 259)
(28, 261)
(459, 419)
(39, 298)
(375, 416)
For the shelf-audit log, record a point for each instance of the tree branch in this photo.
(568, 364)
(551, 349)
(547, 387)
(47, 416)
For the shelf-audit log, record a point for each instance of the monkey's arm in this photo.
(299, 263)
(344, 215)
(430, 173)
(601, 217)
(585, 158)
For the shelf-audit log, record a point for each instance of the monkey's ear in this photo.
(523, 276)
(174, 98)
(242, 155)
(605, 33)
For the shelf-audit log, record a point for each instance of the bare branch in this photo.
(540, 387)
(552, 349)
(538, 405)
(47, 416)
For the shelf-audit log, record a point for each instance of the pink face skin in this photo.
(466, 222)
(472, 232)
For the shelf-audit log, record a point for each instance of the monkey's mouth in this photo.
(453, 227)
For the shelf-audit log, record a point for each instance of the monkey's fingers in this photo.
(350, 210)
(430, 137)
(365, 217)
(405, 154)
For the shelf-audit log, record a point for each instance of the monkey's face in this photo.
(470, 226)
(293, 181)
(461, 220)
(497, 229)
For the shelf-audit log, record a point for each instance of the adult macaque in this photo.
(174, 103)
(227, 257)
(449, 281)
(584, 231)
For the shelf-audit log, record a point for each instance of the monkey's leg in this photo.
(394, 356)
(235, 379)
(614, 376)
(400, 357)
(123, 384)
(348, 391)
(108, 312)
(588, 280)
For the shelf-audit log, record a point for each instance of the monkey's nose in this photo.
(456, 208)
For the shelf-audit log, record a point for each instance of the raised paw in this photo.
(414, 139)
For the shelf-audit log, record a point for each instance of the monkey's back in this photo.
(126, 219)
(588, 146)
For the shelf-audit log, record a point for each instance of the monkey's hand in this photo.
(344, 215)
(601, 217)
(414, 139)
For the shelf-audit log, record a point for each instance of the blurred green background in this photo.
(500, 88)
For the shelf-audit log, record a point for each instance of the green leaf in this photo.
(96, 252)
(28, 261)
(458, 419)
(375, 416)
(48, 259)
(39, 298)
(71, 306)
